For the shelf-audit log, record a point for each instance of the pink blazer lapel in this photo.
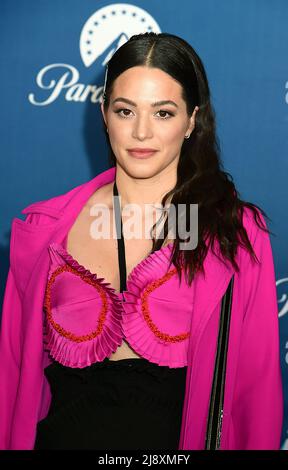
(29, 254)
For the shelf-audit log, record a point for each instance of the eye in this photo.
(118, 111)
(166, 112)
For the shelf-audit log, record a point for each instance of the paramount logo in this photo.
(67, 84)
(104, 32)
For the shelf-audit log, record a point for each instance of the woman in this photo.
(130, 353)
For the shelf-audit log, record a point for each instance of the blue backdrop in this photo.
(52, 58)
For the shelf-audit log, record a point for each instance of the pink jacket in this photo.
(253, 402)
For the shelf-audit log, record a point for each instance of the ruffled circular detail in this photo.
(95, 298)
(157, 316)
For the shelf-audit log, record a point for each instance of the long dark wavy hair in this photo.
(200, 176)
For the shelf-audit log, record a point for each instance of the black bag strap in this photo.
(214, 426)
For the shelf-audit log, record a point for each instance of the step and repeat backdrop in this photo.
(53, 56)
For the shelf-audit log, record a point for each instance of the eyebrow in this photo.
(157, 103)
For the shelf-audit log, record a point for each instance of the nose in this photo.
(142, 128)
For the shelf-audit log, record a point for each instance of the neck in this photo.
(142, 191)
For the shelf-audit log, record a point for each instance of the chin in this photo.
(140, 169)
(141, 173)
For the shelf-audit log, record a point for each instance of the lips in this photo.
(141, 153)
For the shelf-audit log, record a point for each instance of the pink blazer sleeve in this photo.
(10, 345)
(11, 340)
(257, 412)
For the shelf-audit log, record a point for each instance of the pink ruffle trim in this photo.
(65, 348)
(133, 319)
(142, 332)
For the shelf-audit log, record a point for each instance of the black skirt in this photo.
(124, 404)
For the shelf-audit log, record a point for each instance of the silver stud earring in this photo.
(187, 136)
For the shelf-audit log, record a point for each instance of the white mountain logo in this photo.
(110, 27)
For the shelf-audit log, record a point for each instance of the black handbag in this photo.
(214, 422)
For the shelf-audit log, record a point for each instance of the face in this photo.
(141, 124)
